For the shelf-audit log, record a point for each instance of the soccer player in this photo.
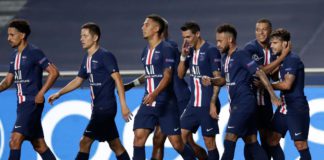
(159, 102)
(238, 68)
(293, 114)
(26, 71)
(203, 59)
(259, 50)
(182, 93)
(100, 67)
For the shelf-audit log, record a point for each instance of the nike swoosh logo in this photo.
(297, 134)
(209, 129)
(176, 129)
(87, 131)
(17, 127)
(229, 127)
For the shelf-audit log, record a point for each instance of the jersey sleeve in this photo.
(41, 59)
(248, 63)
(168, 58)
(214, 59)
(291, 66)
(110, 63)
(83, 70)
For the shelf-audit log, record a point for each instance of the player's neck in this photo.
(22, 46)
(93, 50)
(200, 43)
(154, 41)
(232, 49)
(264, 45)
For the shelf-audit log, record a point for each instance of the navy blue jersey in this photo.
(28, 69)
(180, 86)
(202, 62)
(98, 69)
(155, 61)
(294, 98)
(262, 56)
(238, 70)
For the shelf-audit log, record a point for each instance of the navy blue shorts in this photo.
(264, 115)
(28, 121)
(297, 123)
(182, 105)
(193, 117)
(102, 126)
(164, 114)
(241, 122)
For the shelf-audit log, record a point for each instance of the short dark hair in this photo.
(267, 21)
(21, 25)
(192, 26)
(281, 33)
(159, 20)
(227, 28)
(166, 29)
(94, 29)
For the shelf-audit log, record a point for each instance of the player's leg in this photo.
(180, 147)
(118, 148)
(140, 137)
(84, 148)
(16, 140)
(40, 147)
(254, 148)
(274, 146)
(229, 146)
(158, 144)
(199, 151)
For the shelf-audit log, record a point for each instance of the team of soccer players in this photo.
(168, 107)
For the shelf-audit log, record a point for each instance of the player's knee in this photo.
(301, 145)
(231, 137)
(15, 143)
(250, 139)
(40, 148)
(115, 145)
(139, 140)
(210, 143)
(274, 139)
(158, 139)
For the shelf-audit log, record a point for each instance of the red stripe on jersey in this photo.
(149, 60)
(266, 57)
(197, 93)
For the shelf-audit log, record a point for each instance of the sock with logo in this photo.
(276, 152)
(14, 154)
(139, 153)
(213, 154)
(48, 155)
(123, 156)
(187, 153)
(82, 156)
(229, 149)
(305, 154)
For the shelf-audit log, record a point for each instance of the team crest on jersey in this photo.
(256, 57)
(156, 55)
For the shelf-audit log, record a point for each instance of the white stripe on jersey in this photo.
(150, 86)
(21, 97)
(196, 81)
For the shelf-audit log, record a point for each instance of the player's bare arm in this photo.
(264, 80)
(167, 77)
(53, 74)
(182, 69)
(286, 84)
(127, 115)
(6, 82)
(74, 84)
(213, 108)
(136, 82)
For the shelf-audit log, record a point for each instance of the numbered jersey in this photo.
(28, 69)
(202, 62)
(238, 70)
(98, 69)
(155, 61)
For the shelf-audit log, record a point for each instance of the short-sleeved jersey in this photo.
(202, 62)
(180, 86)
(238, 70)
(262, 56)
(294, 98)
(28, 69)
(155, 61)
(98, 69)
